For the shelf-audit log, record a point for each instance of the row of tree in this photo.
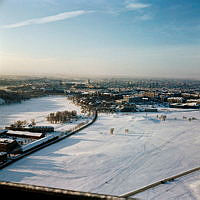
(12, 97)
(62, 117)
(23, 123)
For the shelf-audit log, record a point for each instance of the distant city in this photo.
(100, 99)
(112, 129)
(106, 95)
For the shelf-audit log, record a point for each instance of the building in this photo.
(42, 129)
(39, 129)
(175, 99)
(3, 156)
(185, 105)
(149, 94)
(24, 134)
(197, 101)
(150, 110)
(8, 145)
(127, 108)
(132, 99)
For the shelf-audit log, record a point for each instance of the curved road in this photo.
(49, 142)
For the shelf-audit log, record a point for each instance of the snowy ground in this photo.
(96, 161)
(38, 109)
(187, 187)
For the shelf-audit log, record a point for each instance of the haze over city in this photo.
(133, 38)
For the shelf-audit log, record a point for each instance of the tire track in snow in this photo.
(136, 162)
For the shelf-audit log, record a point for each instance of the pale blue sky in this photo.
(135, 38)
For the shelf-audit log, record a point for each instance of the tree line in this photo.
(62, 117)
(23, 123)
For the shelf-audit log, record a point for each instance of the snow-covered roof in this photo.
(25, 133)
(6, 140)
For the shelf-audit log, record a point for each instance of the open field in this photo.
(38, 109)
(96, 161)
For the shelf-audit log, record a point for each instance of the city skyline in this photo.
(119, 38)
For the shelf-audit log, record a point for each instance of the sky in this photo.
(100, 38)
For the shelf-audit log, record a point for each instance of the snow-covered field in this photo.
(38, 109)
(96, 161)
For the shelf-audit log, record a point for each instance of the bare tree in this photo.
(126, 131)
(33, 123)
(111, 131)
